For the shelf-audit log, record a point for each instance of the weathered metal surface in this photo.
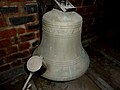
(61, 46)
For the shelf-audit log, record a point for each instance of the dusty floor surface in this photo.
(82, 83)
(104, 60)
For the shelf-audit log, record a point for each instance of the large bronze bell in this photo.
(61, 46)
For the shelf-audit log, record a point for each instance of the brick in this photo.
(24, 46)
(12, 49)
(21, 30)
(36, 43)
(7, 10)
(88, 2)
(84, 29)
(90, 28)
(21, 20)
(76, 2)
(100, 2)
(7, 33)
(4, 67)
(25, 54)
(81, 10)
(31, 8)
(94, 14)
(5, 43)
(14, 0)
(13, 57)
(86, 16)
(88, 21)
(16, 63)
(14, 40)
(27, 37)
(90, 9)
(2, 22)
(32, 27)
(1, 61)
(2, 52)
(38, 35)
(17, 56)
(32, 50)
(88, 35)
(25, 59)
(32, 0)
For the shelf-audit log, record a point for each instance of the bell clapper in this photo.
(26, 86)
(34, 64)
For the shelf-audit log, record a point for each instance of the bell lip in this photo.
(65, 79)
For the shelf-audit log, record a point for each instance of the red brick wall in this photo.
(92, 13)
(19, 33)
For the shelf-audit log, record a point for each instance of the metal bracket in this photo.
(65, 5)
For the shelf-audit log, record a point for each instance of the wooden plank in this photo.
(99, 81)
